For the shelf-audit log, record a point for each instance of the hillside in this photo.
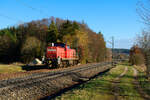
(29, 40)
(124, 51)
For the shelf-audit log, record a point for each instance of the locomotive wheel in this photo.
(74, 63)
(49, 66)
(68, 63)
(63, 64)
(60, 65)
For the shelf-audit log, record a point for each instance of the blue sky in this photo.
(116, 18)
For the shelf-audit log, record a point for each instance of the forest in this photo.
(28, 41)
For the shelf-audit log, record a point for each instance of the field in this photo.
(10, 68)
(19, 70)
(117, 84)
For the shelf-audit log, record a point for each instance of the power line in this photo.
(33, 8)
(28, 6)
(12, 18)
(7, 17)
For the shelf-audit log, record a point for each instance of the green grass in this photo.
(144, 82)
(10, 69)
(100, 88)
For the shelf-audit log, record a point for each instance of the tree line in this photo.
(27, 41)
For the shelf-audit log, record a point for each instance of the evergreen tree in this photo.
(52, 33)
(68, 28)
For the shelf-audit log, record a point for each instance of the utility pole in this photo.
(113, 50)
(112, 42)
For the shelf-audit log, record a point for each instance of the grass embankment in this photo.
(101, 88)
(10, 69)
(143, 81)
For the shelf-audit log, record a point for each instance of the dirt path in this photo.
(115, 88)
(135, 72)
(138, 87)
(122, 74)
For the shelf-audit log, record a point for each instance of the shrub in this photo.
(137, 59)
(31, 49)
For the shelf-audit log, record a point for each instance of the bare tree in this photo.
(143, 40)
(143, 9)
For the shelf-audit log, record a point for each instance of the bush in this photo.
(32, 48)
(137, 59)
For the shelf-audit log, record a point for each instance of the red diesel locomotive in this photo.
(60, 55)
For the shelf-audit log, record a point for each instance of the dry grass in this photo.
(141, 68)
(16, 71)
(10, 69)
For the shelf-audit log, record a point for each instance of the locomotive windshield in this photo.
(60, 45)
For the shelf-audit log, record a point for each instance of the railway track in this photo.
(7, 87)
(36, 76)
